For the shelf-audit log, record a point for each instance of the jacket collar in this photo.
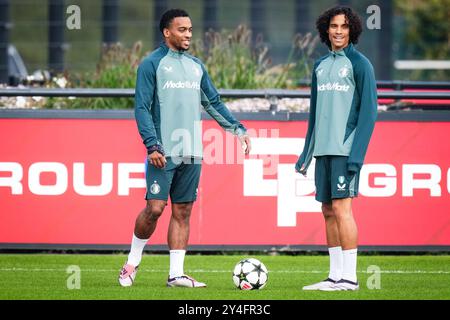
(343, 52)
(173, 53)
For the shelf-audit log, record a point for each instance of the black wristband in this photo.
(157, 148)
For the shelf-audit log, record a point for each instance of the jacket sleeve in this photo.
(215, 107)
(308, 149)
(367, 89)
(143, 103)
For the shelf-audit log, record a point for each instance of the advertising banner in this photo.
(81, 181)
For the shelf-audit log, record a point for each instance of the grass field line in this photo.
(220, 271)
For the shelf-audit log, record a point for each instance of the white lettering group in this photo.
(182, 85)
(333, 87)
(294, 192)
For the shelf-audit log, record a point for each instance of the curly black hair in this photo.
(354, 22)
(169, 15)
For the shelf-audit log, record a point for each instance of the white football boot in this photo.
(127, 275)
(343, 285)
(184, 281)
(327, 283)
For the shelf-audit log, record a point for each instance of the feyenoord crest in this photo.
(155, 188)
(341, 184)
(343, 72)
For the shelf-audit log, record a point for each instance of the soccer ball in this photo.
(250, 274)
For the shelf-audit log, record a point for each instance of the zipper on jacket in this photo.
(332, 65)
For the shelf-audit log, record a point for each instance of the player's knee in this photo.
(183, 211)
(337, 208)
(340, 210)
(327, 210)
(153, 212)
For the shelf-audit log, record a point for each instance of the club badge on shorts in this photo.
(155, 188)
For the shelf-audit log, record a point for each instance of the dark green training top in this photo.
(343, 108)
(171, 87)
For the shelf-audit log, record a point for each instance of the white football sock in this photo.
(176, 263)
(336, 263)
(135, 255)
(350, 264)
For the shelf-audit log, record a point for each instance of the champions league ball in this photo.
(250, 274)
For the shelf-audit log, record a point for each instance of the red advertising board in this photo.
(81, 181)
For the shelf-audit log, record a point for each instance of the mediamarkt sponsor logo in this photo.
(333, 87)
(182, 85)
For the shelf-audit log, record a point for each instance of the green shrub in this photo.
(116, 69)
(233, 62)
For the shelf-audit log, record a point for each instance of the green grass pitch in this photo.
(48, 276)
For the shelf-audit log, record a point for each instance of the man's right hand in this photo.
(157, 159)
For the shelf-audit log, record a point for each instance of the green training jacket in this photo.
(171, 87)
(343, 108)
